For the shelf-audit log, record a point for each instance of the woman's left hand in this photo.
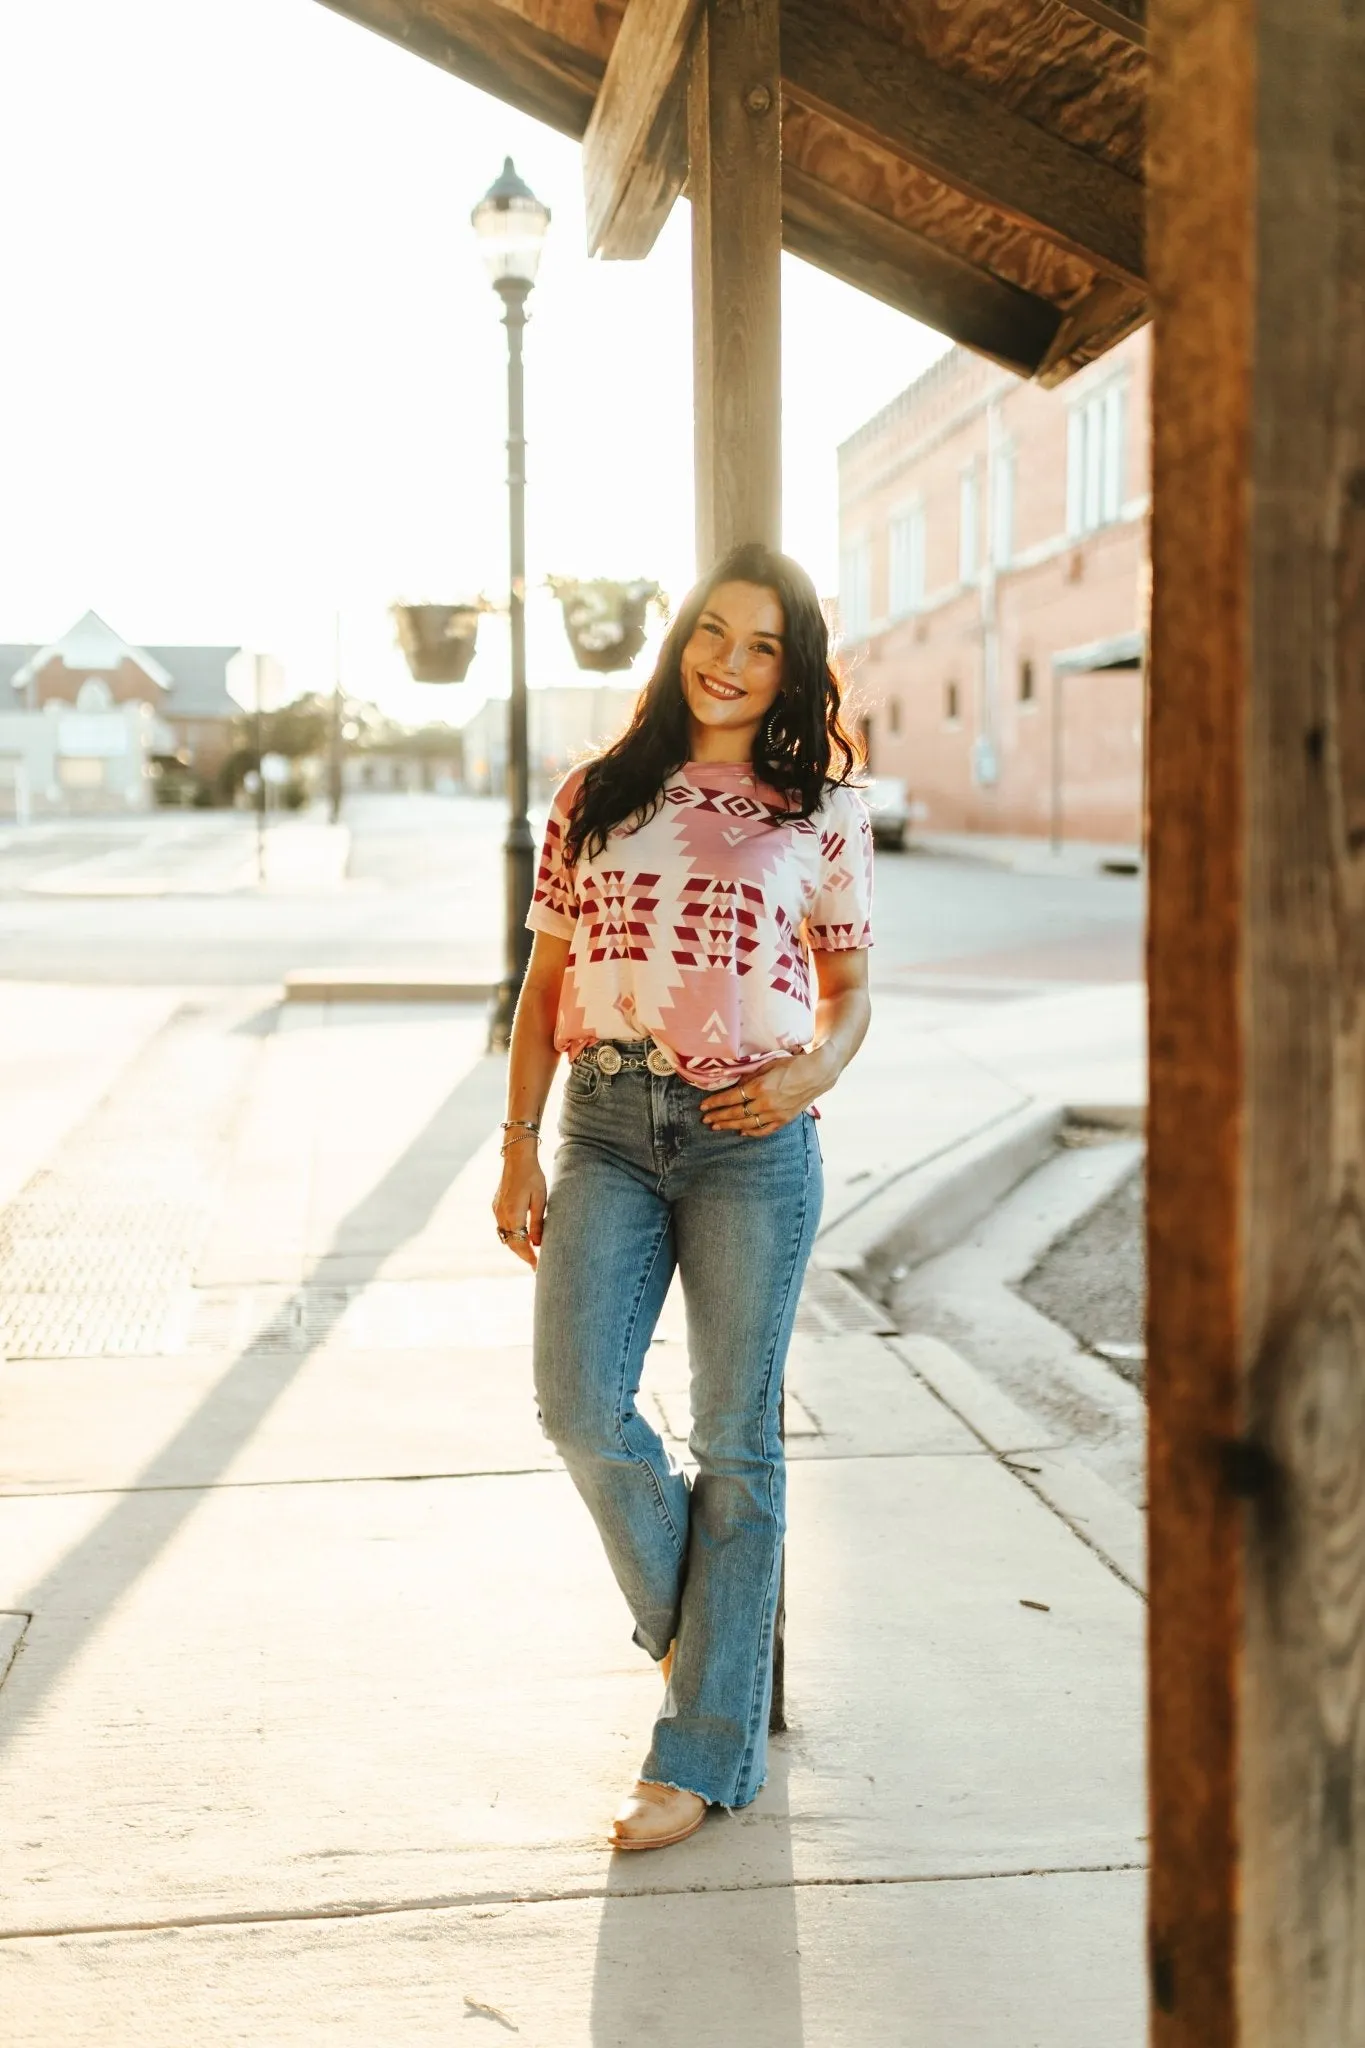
(762, 1104)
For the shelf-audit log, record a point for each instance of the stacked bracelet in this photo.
(528, 1132)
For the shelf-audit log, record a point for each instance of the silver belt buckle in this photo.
(657, 1060)
(608, 1059)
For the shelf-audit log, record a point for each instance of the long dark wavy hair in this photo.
(801, 747)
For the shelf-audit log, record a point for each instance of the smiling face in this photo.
(732, 670)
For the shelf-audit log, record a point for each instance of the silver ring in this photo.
(743, 1098)
(512, 1236)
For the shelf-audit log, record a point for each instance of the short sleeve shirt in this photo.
(695, 929)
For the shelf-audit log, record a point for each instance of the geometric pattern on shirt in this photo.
(840, 938)
(731, 803)
(718, 923)
(554, 881)
(619, 914)
(791, 969)
(635, 937)
(716, 827)
(832, 845)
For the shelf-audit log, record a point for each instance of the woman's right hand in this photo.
(519, 1204)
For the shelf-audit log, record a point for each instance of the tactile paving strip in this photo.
(97, 1252)
(832, 1306)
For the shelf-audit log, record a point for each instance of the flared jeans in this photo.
(641, 1188)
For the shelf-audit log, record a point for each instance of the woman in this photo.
(688, 873)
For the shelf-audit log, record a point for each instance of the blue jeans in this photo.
(641, 1187)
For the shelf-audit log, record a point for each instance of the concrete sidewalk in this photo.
(1034, 855)
(326, 1695)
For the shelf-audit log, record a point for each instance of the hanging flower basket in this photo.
(605, 621)
(438, 639)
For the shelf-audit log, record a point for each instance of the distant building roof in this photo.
(198, 681)
(91, 644)
(193, 678)
(12, 659)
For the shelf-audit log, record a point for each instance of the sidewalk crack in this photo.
(452, 1902)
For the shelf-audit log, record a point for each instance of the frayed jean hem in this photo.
(725, 1805)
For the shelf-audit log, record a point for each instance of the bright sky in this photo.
(254, 371)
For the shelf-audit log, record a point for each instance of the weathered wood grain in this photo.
(635, 148)
(735, 185)
(856, 168)
(494, 48)
(1126, 20)
(914, 274)
(1256, 1341)
(887, 93)
(1040, 58)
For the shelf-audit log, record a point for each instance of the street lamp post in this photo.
(510, 223)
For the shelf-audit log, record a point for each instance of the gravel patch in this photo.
(1093, 1281)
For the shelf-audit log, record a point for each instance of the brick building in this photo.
(993, 586)
(82, 719)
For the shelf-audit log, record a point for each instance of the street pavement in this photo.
(172, 898)
(321, 1694)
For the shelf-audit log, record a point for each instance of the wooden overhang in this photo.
(977, 164)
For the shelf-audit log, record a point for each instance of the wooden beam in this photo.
(1256, 1322)
(964, 137)
(635, 149)
(491, 47)
(735, 181)
(1126, 18)
(1108, 311)
(915, 275)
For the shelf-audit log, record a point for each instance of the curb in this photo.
(930, 1206)
(919, 1214)
(365, 985)
(1103, 1520)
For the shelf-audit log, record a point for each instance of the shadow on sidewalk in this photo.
(686, 1964)
(70, 1604)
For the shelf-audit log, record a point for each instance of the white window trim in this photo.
(907, 597)
(1097, 457)
(855, 605)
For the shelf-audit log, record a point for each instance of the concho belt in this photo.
(612, 1059)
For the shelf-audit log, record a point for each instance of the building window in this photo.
(855, 588)
(951, 709)
(1026, 683)
(1094, 460)
(893, 717)
(94, 694)
(907, 561)
(968, 525)
(1002, 508)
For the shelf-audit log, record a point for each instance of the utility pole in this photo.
(334, 737)
(256, 661)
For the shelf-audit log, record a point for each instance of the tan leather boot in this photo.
(666, 1661)
(656, 1816)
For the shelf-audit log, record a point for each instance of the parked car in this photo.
(174, 782)
(888, 807)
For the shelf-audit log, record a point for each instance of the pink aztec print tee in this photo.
(694, 930)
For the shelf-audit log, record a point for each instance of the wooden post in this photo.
(734, 167)
(1256, 1337)
(735, 181)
